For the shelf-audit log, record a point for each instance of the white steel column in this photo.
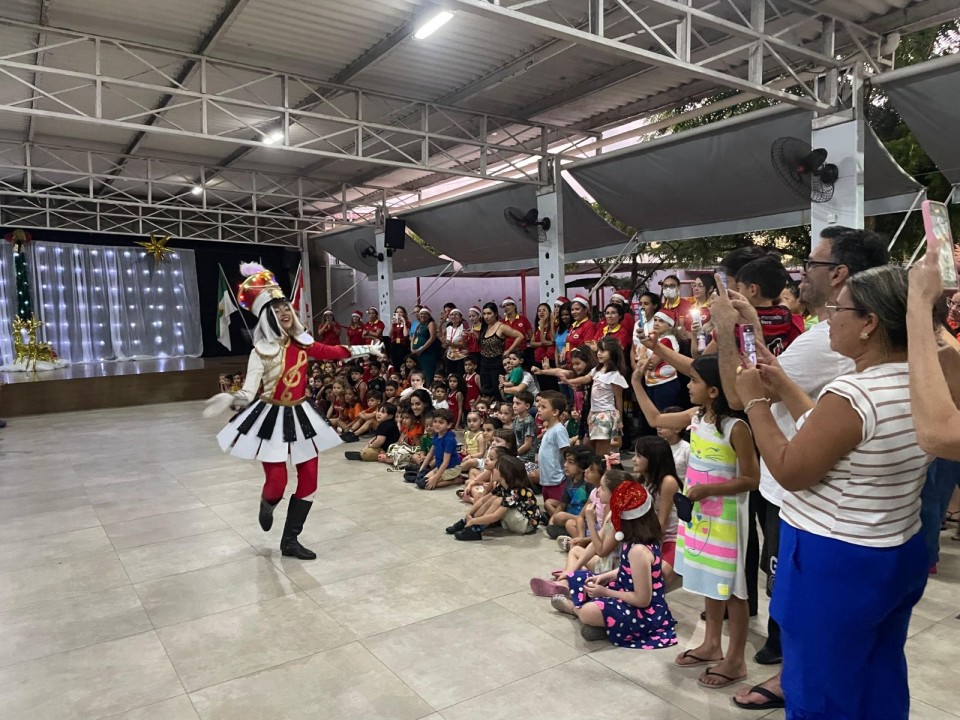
(384, 280)
(550, 253)
(842, 135)
(306, 297)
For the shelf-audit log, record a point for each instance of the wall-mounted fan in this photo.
(367, 253)
(803, 169)
(529, 224)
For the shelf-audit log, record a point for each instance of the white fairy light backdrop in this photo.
(100, 303)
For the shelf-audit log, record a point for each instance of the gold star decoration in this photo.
(157, 247)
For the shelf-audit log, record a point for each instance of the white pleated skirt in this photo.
(270, 433)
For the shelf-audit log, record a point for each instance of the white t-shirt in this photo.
(602, 398)
(871, 497)
(681, 457)
(811, 364)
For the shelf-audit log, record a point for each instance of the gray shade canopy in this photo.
(472, 229)
(927, 97)
(346, 245)
(719, 179)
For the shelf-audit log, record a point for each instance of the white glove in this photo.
(356, 351)
(220, 403)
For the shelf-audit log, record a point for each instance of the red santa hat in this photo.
(621, 296)
(328, 312)
(424, 308)
(474, 309)
(508, 301)
(668, 319)
(356, 314)
(582, 300)
(375, 309)
(629, 501)
(562, 300)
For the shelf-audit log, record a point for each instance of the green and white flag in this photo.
(225, 308)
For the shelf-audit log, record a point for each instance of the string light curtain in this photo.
(8, 301)
(110, 303)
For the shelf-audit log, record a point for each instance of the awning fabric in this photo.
(471, 228)
(346, 245)
(719, 180)
(927, 97)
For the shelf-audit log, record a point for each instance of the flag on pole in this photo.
(225, 308)
(297, 302)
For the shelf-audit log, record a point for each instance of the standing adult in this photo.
(355, 329)
(670, 301)
(582, 330)
(564, 319)
(472, 332)
(328, 331)
(493, 347)
(274, 422)
(622, 298)
(425, 345)
(519, 323)
(543, 345)
(373, 328)
(414, 321)
(853, 558)
(649, 305)
(399, 336)
(455, 342)
(810, 363)
(615, 325)
(703, 292)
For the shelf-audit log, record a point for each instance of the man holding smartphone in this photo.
(839, 253)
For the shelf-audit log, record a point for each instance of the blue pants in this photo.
(843, 610)
(942, 477)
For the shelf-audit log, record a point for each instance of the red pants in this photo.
(276, 480)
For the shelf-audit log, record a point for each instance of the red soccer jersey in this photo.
(331, 336)
(472, 383)
(778, 327)
(355, 335)
(522, 326)
(375, 328)
(580, 333)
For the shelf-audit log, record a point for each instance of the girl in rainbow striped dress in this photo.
(712, 541)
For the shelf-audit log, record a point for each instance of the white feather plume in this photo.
(251, 268)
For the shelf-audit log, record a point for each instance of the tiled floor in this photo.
(135, 583)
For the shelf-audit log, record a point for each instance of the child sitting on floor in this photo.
(480, 478)
(626, 605)
(601, 553)
(366, 420)
(566, 518)
(511, 503)
(441, 466)
(387, 433)
(474, 440)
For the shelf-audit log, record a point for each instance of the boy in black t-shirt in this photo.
(762, 282)
(386, 434)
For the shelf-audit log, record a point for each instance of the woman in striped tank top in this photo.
(712, 540)
(852, 561)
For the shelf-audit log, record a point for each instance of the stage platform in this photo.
(95, 386)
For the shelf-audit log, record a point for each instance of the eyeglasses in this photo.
(807, 264)
(833, 309)
(952, 304)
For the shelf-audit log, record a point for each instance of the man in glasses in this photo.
(839, 253)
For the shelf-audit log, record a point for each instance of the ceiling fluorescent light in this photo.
(196, 190)
(433, 24)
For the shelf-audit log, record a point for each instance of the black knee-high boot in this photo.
(296, 516)
(266, 513)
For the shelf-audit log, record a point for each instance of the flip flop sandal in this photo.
(727, 680)
(546, 588)
(698, 660)
(772, 701)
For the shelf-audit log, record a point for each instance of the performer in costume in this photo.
(275, 422)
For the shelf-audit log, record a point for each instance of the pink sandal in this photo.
(547, 588)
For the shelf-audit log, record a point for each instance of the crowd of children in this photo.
(539, 446)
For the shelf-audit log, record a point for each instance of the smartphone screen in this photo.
(748, 343)
(936, 221)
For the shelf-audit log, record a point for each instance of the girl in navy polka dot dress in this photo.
(630, 611)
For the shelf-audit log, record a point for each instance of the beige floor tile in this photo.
(346, 683)
(231, 470)
(183, 555)
(89, 683)
(111, 472)
(940, 600)
(54, 581)
(450, 658)
(178, 708)
(61, 547)
(226, 492)
(389, 599)
(322, 524)
(933, 656)
(55, 626)
(237, 642)
(43, 502)
(537, 611)
(49, 523)
(195, 594)
(922, 711)
(159, 528)
(344, 558)
(551, 693)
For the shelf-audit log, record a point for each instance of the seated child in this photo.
(416, 383)
(391, 392)
(367, 419)
(511, 503)
(438, 391)
(678, 446)
(441, 466)
(349, 412)
(524, 427)
(567, 520)
(475, 441)
(599, 554)
(625, 605)
(401, 452)
(387, 433)
(481, 480)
